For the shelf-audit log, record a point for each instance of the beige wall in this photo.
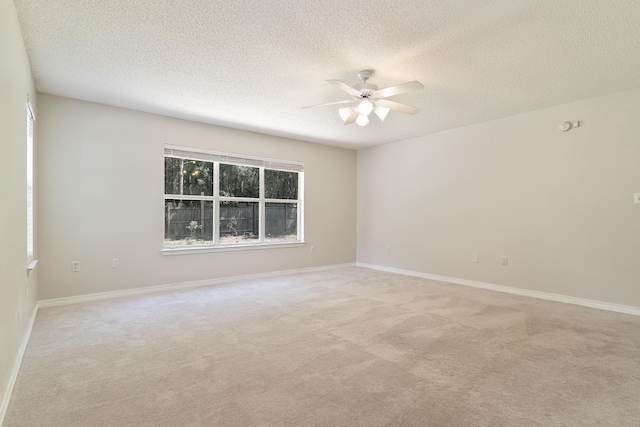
(559, 205)
(17, 294)
(101, 197)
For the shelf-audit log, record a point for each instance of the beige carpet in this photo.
(346, 347)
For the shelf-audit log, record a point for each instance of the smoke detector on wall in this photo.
(567, 126)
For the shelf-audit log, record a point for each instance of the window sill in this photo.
(228, 248)
(31, 266)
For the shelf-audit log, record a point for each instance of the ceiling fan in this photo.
(369, 98)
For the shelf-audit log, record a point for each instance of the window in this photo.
(224, 200)
(30, 119)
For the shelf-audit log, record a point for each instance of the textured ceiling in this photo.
(252, 64)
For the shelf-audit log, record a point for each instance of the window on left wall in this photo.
(30, 119)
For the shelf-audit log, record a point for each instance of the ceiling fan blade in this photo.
(346, 101)
(403, 108)
(397, 90)
(345, 87)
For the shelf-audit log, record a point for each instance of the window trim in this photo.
(30, 193)
(186, 250)
(180, 151)
(262, 163)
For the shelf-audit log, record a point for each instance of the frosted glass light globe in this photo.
(362, 120)
(365, 107)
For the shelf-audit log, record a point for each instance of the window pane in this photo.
(281, 222)
(188, 222)
(239, 181)
(239, 222)
(280, 184)
(188, 177)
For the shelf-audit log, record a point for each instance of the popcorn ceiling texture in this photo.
(253, 64)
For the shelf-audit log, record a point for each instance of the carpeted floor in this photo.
(345, 347)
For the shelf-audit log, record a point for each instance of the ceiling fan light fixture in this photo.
(365, 107)
(381, 112)
(345, 113)
(362, 120)
(367, 98)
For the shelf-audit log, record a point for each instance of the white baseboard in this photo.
(175, 286)
(4, 405)
(627, 309)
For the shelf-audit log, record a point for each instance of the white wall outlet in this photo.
(115, 263)
(636, 198)
(312, 249)
(505, 261)
(388, 249)
(75, 266)
(474, 257)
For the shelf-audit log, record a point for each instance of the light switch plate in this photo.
(636, 198)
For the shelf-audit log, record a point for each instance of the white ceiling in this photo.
(252, 64)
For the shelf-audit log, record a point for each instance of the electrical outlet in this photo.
(312, 249)
(505, 261)
(115, 263)
(474, 257)
(636, 198)
(388, 249)
(75, 266)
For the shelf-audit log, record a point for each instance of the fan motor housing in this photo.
(364, 75)
(365, 88)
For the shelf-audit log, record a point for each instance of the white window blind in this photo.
(213, 156)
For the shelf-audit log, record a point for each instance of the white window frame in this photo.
(261, 163)
(30, 184)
